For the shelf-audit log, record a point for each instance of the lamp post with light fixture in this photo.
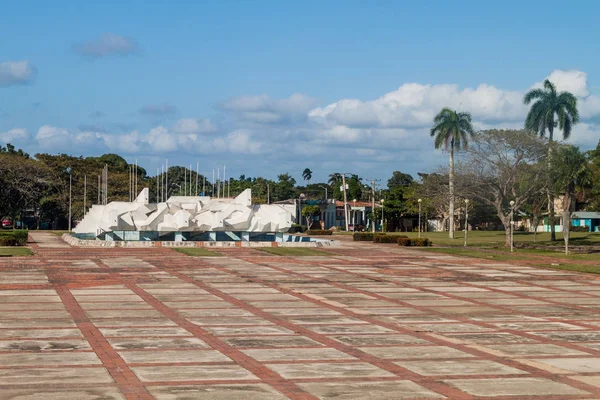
(512, 225)
(419, 201)
(382, 220)
(466, 219)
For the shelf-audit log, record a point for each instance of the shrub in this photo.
(13, 238)
(6, 240)
(362, 237)
(385, 239)
(404, 241)
(365, 236)
(297, 228)
(579, 229)
(318, 232)
(421, 242)
(21, 236)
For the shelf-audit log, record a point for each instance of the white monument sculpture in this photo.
(187, 214)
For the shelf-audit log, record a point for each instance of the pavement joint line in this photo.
(111, 360)
(376, 361)
(190, 266)
(259, 370)
(480, 303)
(464, 348)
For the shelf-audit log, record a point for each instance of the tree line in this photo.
(491, 168)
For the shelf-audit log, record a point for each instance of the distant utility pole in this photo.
(373, 204)
(84, 193)
(167, 179)
(345, 200)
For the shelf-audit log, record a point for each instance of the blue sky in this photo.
(269, 86)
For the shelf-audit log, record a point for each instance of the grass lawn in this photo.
(293, 251)
(59, 233)
(196, 252)
(589, 263)
(497, 238)
(15, 251)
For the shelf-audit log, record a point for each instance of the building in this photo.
(585, 218)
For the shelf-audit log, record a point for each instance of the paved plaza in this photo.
(367, 322)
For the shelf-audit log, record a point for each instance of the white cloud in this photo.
(381, 135)
(15, 135)
(16, 73)
(585, 135)
(107, 44)
(265, 110)
(571, 81)
(415, 105)
(191, 125)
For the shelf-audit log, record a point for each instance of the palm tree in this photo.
(549, 110)
(451, 130)
(334, 178)
(307, 175)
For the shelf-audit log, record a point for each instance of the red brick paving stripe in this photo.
(127, 382)
(435, 339)
(457, 317)
(259, 370)
(386, 365)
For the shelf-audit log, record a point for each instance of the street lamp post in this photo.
(419, 201)
(324, 187)
(512, 225)
(354, 215)
(70, 194)
(382, 220)
(302, 195)
(466, 219)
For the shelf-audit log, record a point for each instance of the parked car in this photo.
(7, 223)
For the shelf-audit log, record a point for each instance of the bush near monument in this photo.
(365, 236)
(314, 232)
(387, 238)
(417, 242)
(14, 238)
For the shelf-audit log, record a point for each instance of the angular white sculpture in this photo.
(187, 214)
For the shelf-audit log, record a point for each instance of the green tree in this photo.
(399, 179)
(309, 212)
(501, 166)
(451, 131)
(284, 188)
(549, 110)
(307, 175)
(570, 171)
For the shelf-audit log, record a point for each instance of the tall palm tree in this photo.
(334, 178)
(549, 110)
(307, 175)
(451, 131)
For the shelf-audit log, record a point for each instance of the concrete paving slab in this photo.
(304, 354)
(157, 343)
(225, 392)
(173, 356)
(391, 390)
(44, 376)
(177, 373)
(514, 387)
(415, 352)
(48, 393)
(48, 359)
(329, 370)
(462, 367)
(579, 365)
